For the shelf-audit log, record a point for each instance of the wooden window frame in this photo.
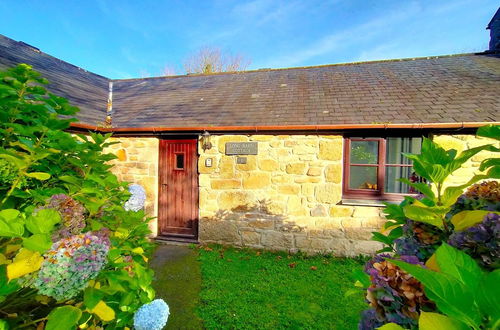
(183, 161)
(370, 194)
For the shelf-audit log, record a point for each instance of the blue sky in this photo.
(126, 39)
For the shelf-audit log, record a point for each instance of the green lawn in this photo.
(248, 289)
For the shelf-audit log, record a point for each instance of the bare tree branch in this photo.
(209, 60)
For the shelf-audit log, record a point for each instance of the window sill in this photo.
(364, 202)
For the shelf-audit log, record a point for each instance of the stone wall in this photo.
(284, 198)
(138, 163)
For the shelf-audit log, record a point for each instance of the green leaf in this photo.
(435, 321)
(63, 318)
(43, 221)
(451, 296)
(489, 163)
(424, 188)
(379, 237)
(70, 179)
(91, 297)
(38, 242)
(4, 325)
(391, 326)
(39, 175)
(465, 219)
(6, 286)
(460, 265)
(465, 156)
(423, 214)
(362, 277)
(488, 297)
(395, 212)
(11, 224)
(489, 131)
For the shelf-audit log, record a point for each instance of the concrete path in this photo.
(178, 282)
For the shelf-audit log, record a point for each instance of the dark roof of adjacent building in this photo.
(84, 89)
(494, 18)
(446, 89)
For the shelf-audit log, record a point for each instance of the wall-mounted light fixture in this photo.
(205, 141)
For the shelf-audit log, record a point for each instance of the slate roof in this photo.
(446, 89)
(449, 89)
(84, 89)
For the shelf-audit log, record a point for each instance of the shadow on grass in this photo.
(178, 282)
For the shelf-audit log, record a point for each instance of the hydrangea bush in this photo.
(71, 263)
(442, 271)
(137, 199)
(152, 316)
(71, 255)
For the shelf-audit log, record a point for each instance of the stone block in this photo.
(295, 206)
(290, 143)
(302, 242)
(314, 171)
(328, 193)
(308, 189)
(256, 180)
(334, 233)
(289, 189)
(219, 231)
(302, 149)
(328, 223)
(366, 211)
(225, 184)
(250, 238)
(296, 168)
(122, 155)
(363, 247)
(318, 211)
(330, 150)
(275, 144)
(351, 222)
(307, 179)
(281, 179)
(203, 181)
(277, 240)
(359, 233)
(333, 173)
(341, 211)
(262, 138)
(268, 165)
(449, 142)
(261, 223)
(230, 200)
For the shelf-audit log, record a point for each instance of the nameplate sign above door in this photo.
(241, 148)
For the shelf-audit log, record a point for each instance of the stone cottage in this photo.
(289, 159)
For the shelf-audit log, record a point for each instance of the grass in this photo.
(248, 289)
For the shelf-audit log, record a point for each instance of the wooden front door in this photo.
(178, 191)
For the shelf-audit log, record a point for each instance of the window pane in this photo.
(364, 152)
(396, 146)
(363, 177)
(179, 161)
(393, 173)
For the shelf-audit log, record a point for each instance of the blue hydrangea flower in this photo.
(138, 198)
(152, 316)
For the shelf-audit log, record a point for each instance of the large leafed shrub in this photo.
(70, 254)
(440, 268)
